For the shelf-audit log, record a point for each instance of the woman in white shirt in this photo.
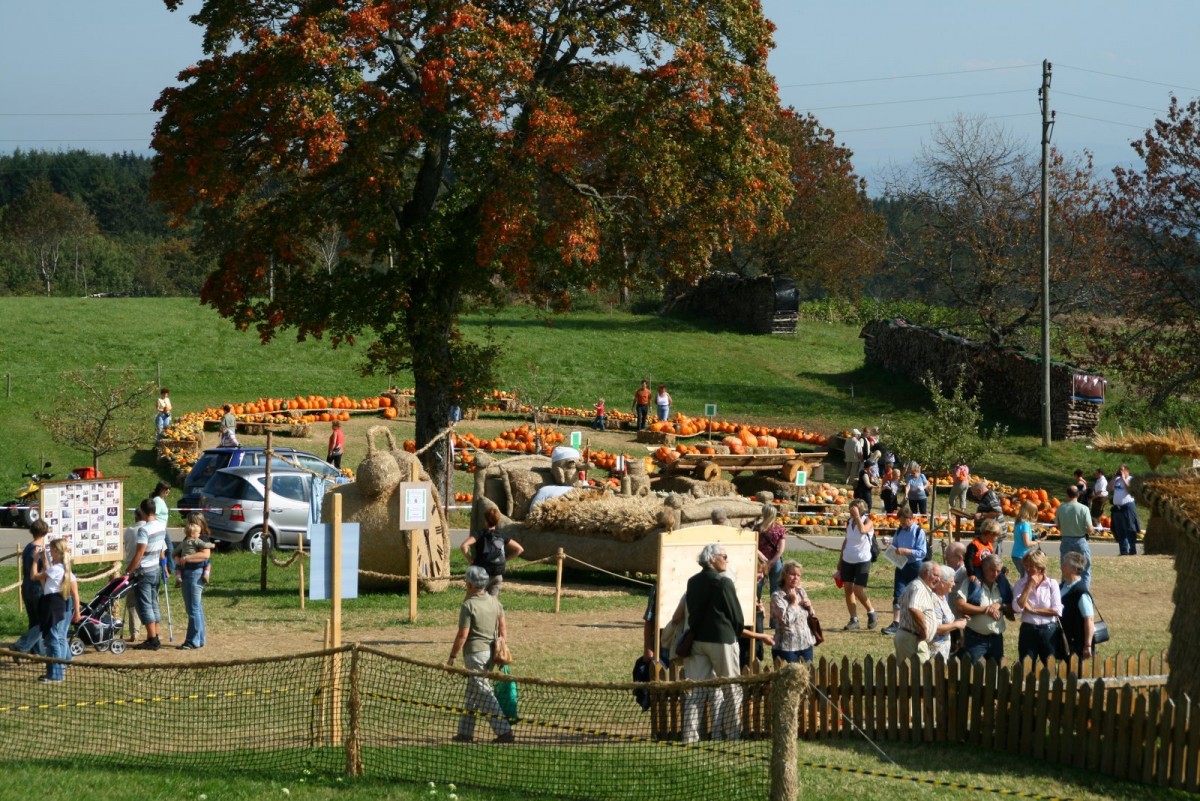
(663, 401)
(58, 606)
(855, 567)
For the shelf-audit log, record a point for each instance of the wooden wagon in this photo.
(710, 466)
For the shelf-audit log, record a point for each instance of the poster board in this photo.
(87, 514)
(415, 497)
(678, 551)
(320, 563)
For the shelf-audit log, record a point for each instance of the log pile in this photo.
(763, 305)
(999, 376)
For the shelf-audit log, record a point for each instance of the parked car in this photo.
(233, 505)
(215, 459)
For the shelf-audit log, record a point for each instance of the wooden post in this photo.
(558, 581)
(788, 689)
(266, 528)
(335, 623)
(8, 384)
(300, 565)
(413, 587)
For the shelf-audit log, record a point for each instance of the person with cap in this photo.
(480, 624)
(910, 542)
(853, 453)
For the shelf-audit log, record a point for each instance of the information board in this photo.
(87, 514)
(677, 554)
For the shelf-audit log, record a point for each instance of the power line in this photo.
(904, 77)
(920, 100)
(1097, 119)
(1113, 102)
(78, 113)
(927, 124)
(1129, 78)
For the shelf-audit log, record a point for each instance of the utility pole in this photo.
(1047, 127)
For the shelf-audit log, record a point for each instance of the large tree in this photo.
(538, 143)
(833, 240)
(1154, 343)
(973, 221)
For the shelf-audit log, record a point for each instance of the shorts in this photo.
(856, 573)
(145, 596)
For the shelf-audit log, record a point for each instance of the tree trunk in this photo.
(433, 372)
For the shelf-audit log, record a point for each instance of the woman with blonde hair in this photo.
(59, 605)
(1038, 601)
(854, 568)
(1024, 540)
(790, 609)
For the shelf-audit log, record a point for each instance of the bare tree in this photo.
(100, 411)
(539, 394)
(973, 223)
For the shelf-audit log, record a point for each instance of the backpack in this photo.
(490, 552)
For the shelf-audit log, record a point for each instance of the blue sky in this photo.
(84, 73)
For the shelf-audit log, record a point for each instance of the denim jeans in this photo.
(193, 588)
(56, 643)
(794, 657)
(31, 641)
(145, 589)
(977, 647)
(1079, 545)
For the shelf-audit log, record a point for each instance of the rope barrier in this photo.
(609, 572)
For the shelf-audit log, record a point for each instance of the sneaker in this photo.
(506, 739)
(48, 680)
(463, 738)
(889, 630)
(872, 621)
(152, 644)
(186, 647)
(852, 625)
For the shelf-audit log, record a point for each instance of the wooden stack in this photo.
(999, 376)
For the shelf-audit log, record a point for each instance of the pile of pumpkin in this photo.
(684, 426)
(522, 439)
(317, 408)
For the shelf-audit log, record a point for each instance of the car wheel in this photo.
(76, 646)
(29, 517)
(118, 646)
(255, 540)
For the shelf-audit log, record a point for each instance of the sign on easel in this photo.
(415, 500)
(678, 552)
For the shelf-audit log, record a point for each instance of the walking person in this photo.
(480, 625)
(715, 619)
(868, 480)
(31, 589)
(162, 416)
(1074, 523)
(772, 542)
(641, 404)
(1099, 498)
(337, 445)
(145, 572)
(911, 542)
(58, 606)
(853, 454)
(854, 568)
(492, 550)
(663, 402)
(916, 489)
(600, 419)
(229, 428)
(192, 558)
(1125, 524)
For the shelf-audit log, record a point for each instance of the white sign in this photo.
(87, 514)
(710, 410)
(320, 563)
(414, 504)
(677, 555)
(576, 439)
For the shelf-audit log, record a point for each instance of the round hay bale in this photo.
(707, 471)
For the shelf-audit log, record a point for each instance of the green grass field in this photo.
(803, 380)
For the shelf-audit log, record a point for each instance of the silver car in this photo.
(233, 504)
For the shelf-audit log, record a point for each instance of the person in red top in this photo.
(337, 445)
(599, 421)
(641, 404)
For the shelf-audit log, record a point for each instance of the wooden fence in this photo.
(1111, 715)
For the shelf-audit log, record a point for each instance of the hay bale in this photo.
(596, 514)
(753, 483)
(648, 437)
(691, 486)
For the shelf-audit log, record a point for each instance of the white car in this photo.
(233, 502)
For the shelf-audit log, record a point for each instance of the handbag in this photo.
(1100, 633)
(814, 628)
(506, 695)
(684, 647)
(500, 653)
(874, 547)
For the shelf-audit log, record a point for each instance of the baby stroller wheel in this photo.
(76, 646)
(118, 646)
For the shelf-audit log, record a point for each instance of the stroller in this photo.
(100, 628)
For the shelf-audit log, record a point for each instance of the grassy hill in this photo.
(816, 379)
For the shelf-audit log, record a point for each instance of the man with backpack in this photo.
(492, 550)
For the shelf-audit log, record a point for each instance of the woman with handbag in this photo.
(1079, 612)
(481, 631)
(793, 615)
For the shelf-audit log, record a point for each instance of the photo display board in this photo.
(677, 554)
(87, 514)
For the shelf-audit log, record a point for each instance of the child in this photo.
(197, 518)
(59, 604)
(192, 556)
(600, 420)
(1024, 539)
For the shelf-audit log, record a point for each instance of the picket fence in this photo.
(1110, 715)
